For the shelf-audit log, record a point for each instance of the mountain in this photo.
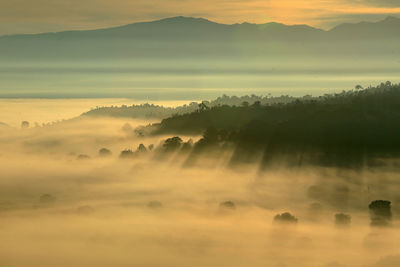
(183, 36)
(194, 58)
(199, 28)
(388, 28)
(182, 28)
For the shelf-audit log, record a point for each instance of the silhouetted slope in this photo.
(145, 111)
(353, 103)
(343, 128)
(159, 112)
(388, 28)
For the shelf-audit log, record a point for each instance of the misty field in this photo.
(62, 203)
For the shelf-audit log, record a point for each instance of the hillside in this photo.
(151, 111)
(346, 127)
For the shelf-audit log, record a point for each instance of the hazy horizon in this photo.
(185, 58)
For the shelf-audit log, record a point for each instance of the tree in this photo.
(104, 152)
(256, 104)
(82, 157)
(141, 149)
(203, 106)
(127, 153)
(187, 146)
(25, 124)
(285, 217)
(173, 143)
(228, 205)
(342, 219)
(380, 212)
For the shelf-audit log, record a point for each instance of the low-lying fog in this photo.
(62, 204)
(38, 111)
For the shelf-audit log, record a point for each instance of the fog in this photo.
(194, 78)
(43, 111)
(62, 204)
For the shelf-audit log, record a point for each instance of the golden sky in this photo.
(31, 16)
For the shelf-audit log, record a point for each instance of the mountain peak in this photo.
(183, 19)
(391, 18)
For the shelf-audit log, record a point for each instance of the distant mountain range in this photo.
(193, 58)
(192, 36)
(187, 28)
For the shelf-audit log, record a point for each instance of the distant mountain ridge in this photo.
(176, 56)
(389, 27)
(184, 37)
(185, 26)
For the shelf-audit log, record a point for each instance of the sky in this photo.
(35, 16)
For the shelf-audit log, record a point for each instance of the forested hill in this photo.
(360, 105)
(351, 124)
(151, 111)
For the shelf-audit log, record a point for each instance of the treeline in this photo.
(351, 128)
(151, 111)
(142, 111)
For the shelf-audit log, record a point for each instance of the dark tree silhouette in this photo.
(25, 124)
(245, 104)
(141, 149)
(104, 152)
(342, 219)
(172, 144)
(228, 205)
(126, 154)
(285, 217)
(380, 213)
(82, 157)
(203, 106)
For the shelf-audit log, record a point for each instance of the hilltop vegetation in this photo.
(353, 127)
(151, 111)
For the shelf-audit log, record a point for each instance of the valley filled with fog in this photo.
(92, 191)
